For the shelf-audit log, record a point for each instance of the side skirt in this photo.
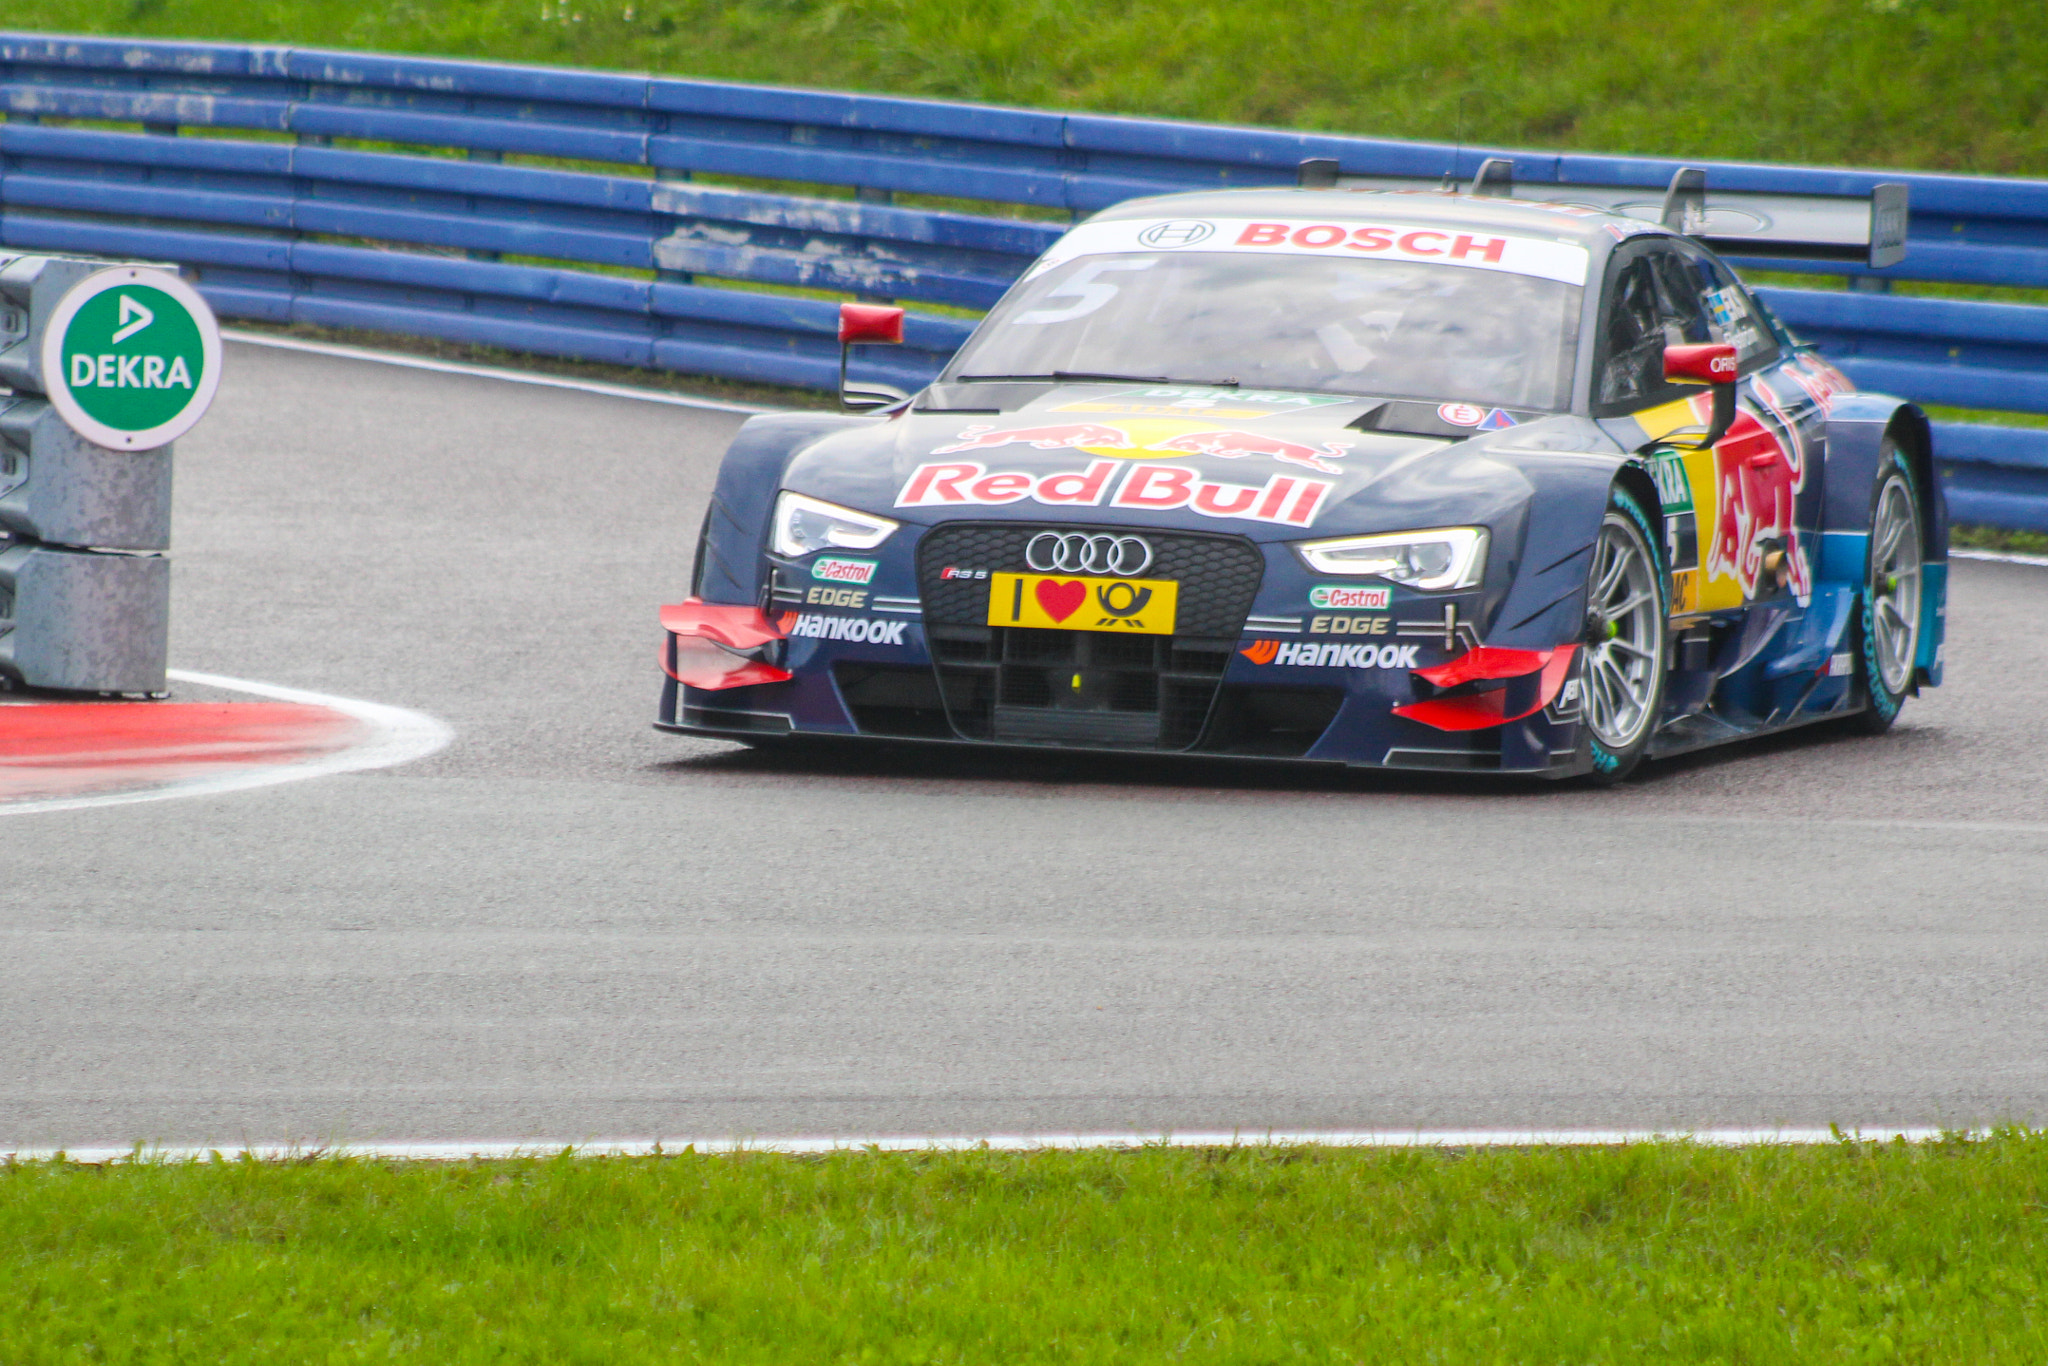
(1700, 730)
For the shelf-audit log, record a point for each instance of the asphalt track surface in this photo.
(568, 926)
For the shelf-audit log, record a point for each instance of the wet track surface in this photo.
(566, 925)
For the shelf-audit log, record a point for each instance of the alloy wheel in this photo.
(1624, 636)
(1895, 585)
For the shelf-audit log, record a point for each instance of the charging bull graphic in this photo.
(1758, 475)
(1069, 435)
(1232, 445)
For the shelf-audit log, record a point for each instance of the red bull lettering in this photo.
(965, 482)
(1284, 499)
(1233, 445)
(1066, 436)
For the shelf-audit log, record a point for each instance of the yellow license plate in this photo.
(1062, 603)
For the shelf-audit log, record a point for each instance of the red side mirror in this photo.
(1711, 363)
(883, 323)
(1700, 363)
(868, 323)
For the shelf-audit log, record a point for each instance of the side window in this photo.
(1654, 300)
(1733, 316)
(1629, 334)
(1681, 290)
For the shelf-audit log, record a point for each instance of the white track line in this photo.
(397, 736)
(2001, 556)
(449, 367)
(1322, 1138)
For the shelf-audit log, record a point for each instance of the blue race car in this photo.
(1351, 475)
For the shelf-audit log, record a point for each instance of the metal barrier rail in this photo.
(283, 230)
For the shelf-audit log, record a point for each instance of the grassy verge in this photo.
(1664, 1252)
(1967, 537)
(1938, 84)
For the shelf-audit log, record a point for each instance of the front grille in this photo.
(1083, 687)
(1218, 575)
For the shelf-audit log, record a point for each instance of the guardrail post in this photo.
(108, 364)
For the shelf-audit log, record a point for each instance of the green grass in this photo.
(1970, 537)
(1846, 1253)
(1956, 85)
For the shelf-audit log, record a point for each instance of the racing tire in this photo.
(1888, 616)
(1625, 642)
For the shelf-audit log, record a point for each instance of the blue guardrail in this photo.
(283, 214)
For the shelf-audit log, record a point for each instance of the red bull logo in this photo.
(1066, 436)
(1758, 477)
(1234, 445)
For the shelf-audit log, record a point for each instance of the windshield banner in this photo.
(1447, 246)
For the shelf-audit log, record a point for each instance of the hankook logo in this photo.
(1077, 552)
(1179, 232)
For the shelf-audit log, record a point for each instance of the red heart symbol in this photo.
(1061, 600)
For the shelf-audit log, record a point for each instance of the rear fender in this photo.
(1857, 426)
(729, 561)
(1912, 431)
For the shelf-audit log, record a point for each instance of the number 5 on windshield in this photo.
(1082, 285)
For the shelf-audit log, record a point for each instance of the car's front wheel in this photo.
(1888, 645)
(1624, 643)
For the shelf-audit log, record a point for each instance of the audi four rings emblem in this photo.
(1076, 552)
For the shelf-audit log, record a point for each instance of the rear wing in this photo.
(1866, 229)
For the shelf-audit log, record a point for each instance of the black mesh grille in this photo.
(1083, 687)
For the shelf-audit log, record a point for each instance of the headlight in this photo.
(1452, 557)
(803, 525)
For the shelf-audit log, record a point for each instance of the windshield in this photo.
(1393, 329)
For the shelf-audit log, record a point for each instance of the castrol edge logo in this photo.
(1476, 249)
(1284, 499)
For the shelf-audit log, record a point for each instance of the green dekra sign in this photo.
(131, 358)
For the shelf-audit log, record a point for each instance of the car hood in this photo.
(1266, 465)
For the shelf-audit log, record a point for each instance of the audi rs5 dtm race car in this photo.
(1416, 480)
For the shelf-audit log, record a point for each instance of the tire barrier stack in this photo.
(107, 363)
